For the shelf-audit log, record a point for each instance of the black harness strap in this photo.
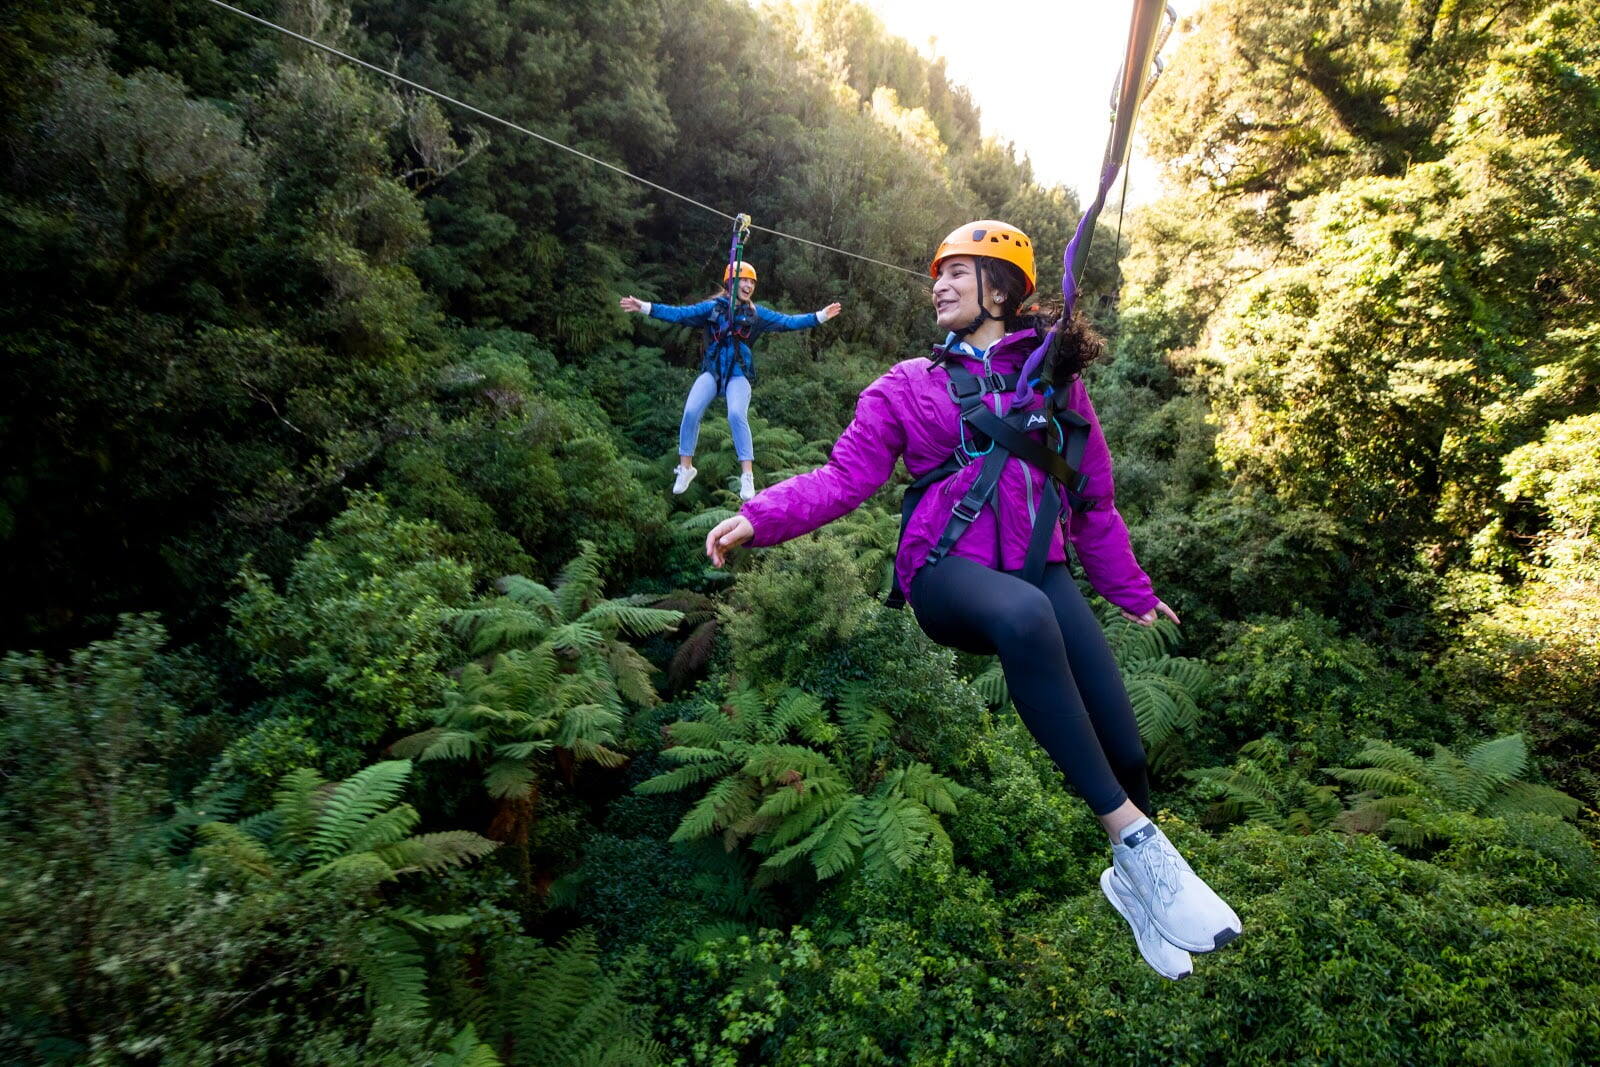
(1006, 436)
(736, 321)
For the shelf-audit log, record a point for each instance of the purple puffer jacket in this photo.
(908, 413)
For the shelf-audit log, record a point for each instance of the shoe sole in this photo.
(1218, 939)
(1116, 902)
(679, 492)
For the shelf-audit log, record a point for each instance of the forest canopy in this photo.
(369, 698)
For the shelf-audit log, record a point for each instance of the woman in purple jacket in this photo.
(966, 544)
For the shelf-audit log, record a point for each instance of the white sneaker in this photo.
(1186, 911)
(1165, 958)
(685, 475)
(747, 486)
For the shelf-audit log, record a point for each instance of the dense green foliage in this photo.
(385, 709)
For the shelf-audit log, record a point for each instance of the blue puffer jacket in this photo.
(728, 348)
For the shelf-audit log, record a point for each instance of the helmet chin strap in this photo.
(984, 314)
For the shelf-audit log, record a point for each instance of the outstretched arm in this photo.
(777, 322)
(861, 461)
(682, 314)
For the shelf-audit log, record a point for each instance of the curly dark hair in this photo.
(1076, 343)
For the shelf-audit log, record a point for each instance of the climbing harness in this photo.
(734, 319)
(995, 440)
(1006, 436)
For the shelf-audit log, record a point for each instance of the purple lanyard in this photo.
(1143, 32)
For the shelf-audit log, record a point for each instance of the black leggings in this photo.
(1062, 676)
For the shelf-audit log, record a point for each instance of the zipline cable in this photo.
(549, 140)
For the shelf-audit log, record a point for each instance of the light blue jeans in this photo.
(701, 394)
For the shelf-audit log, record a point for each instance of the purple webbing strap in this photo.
(1143, 29)
(1069, 280)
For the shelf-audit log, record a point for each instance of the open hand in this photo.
(1149, 617)
(727, 535)
(829, 312)
(631, 304)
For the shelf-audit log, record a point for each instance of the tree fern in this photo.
(798, 781)
(556, 1007)
(1265, 785)
(348, 838)
(559, 679)
(1403, 795)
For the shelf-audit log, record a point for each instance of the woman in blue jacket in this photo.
(726, 367)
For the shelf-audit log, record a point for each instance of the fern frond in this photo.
(430, 853)
(497, 626)
(392, 970)
(632, 672)
(353, 803)
(414, 745)
(295, 804)
(1527, 798)
(702, 522)
(423, 923)
(631, 619)
(527, 593)
(1393, 758)
(792, 709)
(574, 637)
(522, 750)
(508, 779)
(991, 685)
(383, 829)
(230, 851)
(579, 582)
(1377, 780)
(465, 1050)
(703, 733)
(725, 803)
(683, 777)
(1500, 760)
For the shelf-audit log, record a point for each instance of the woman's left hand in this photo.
(829, 312)
(1149, 617)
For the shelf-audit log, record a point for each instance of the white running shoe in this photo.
(1166, 959)
(1186, 911)
(747, 486)
(684, 477)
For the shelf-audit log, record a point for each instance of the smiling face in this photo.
(746, 287)
(955, 293)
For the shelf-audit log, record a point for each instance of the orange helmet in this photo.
(989, 237)
(745, 271)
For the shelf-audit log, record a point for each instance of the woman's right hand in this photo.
(726, 535)
(631, 304)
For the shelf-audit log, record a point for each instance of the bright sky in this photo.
(1054, 103)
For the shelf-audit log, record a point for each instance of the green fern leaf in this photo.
(430, 853)
(353, 803)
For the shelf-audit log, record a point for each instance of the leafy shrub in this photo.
(802, 784)
(1297, 678)
(353, 642)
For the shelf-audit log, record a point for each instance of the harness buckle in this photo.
(994, 382)
(966, 514)
(957, 396)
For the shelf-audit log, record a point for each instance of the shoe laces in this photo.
(1161, 864)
